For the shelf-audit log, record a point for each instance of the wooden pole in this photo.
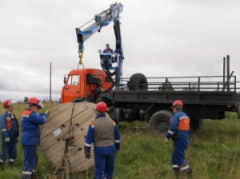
(224, 62)
(228, 72)
(50, 88)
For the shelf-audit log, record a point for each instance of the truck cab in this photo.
(84, 84)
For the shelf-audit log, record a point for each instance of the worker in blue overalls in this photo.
(108, 49)
(30, 137)
(105, 136)
(179, 131)
(10, 133)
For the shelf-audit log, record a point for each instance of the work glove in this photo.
(87, 152)
(168, 135)
(117, 146)
(44, 116)
(7, 139)
(46, 112)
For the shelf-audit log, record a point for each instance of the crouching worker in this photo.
(105, 136)
(179, 132)
(30, 136)
(9, 129)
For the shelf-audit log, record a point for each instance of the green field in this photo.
(214, 153)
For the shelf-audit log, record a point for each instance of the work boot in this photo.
(188, 172)
(1, 162)
(26, 176)
(2, 166)
(11, 164)
(176, 173)
(34, 174)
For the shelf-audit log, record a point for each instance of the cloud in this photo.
(160, 38)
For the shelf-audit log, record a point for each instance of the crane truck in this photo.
(146, 99)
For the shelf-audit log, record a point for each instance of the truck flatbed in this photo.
(189, 97)
(203, 97)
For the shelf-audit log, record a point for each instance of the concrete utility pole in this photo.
(50, 89)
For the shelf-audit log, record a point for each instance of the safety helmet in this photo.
(35, 102)
(177, 103)
(101, 107)
(8, 103)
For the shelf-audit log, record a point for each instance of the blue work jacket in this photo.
(30, 125)
(9, 131)
(180, 126)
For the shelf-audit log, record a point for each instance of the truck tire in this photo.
(159, 122)
(138, 81)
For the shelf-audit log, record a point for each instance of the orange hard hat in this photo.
(35, 102)
(101, 107)
(177, 103)
(8, 103)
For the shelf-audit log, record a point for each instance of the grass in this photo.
(214, 153)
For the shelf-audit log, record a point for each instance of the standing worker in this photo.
(10, 133)
(30, 136)
(107, 49)
(105, 136)
(179, 131)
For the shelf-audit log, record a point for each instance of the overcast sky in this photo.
(160, 38)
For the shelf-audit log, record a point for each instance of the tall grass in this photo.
(214, 153)
(44, 167)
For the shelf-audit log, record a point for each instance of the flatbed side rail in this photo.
(192, 83)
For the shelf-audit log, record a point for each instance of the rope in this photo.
(63, 171)
(83, 78)
(81, 63)
(71, 129)
(87, 168)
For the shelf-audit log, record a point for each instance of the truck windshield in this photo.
(73, 80)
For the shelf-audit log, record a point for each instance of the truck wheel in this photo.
(159, 122)
(138, 81)
(196, 124)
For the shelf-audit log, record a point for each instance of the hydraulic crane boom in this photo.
(100, 20)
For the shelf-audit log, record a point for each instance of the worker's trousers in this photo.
(104, 166)
(30, 159)
(9, 149)
(178, 155)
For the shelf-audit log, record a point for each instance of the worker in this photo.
(107, 49)
(30, 136)
(105, 136)
(179, 131)
(10, 133)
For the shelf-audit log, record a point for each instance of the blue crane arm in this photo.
(99, 21)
